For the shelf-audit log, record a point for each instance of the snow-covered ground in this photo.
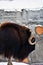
(14, 63)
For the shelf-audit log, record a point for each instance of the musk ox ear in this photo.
(31, 40)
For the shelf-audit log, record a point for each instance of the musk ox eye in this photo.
(31, 40)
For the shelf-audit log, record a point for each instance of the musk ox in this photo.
(16, 41)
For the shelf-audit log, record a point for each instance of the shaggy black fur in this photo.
(14, 41)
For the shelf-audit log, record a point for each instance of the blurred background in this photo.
(26, 13)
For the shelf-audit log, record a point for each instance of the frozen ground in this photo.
(14, 63)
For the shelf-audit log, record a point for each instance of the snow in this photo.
(14, 63)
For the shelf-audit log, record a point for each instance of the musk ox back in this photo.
(16, 41)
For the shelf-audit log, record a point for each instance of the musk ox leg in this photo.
(24, 60)
(9, 62)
